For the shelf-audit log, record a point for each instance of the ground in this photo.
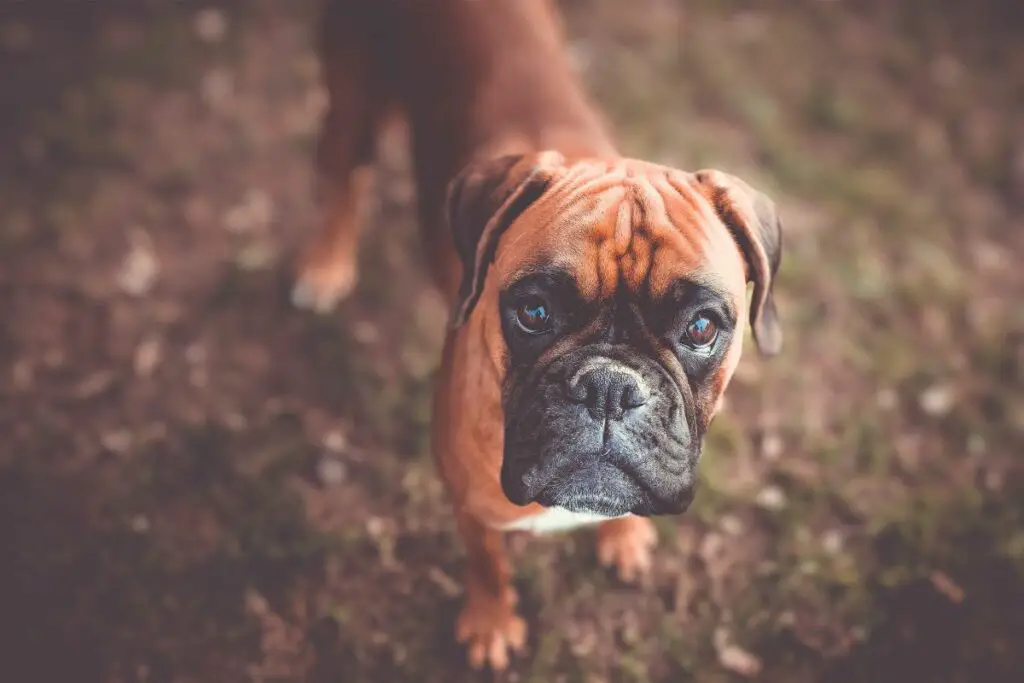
(200, 483)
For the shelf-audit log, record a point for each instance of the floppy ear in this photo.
(483, 201)
(754, 223)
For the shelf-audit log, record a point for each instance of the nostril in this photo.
(577, 391)
(590, 390)
(632, 397)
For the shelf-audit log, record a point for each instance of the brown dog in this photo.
(599, 303)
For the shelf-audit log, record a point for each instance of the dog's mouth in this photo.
(595, 488)
(598, 488)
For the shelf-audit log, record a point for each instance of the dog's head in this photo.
(611, 298)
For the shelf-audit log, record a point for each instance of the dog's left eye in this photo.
(533, 316)
(702, 331)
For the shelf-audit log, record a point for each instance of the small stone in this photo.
(253, 212)
(947, 586)
(583, 642)
(54, 358)
(261, 207)
(771, 447)
(731, 525)
(739, 661)
(195, 354)
(118, 441)
(236, 220)
(94, 384)
(22, 374)
(993, 479)
(140, 267)
(711, 547)
(335, 441)
(946, 71)
(147, 357)
(365, 332)
(375, 527)
(211, 25)
(886, 399)
(217, 87)
(255, 256)
(771, 498)
(330, 471)
(630, 630)
(990, 256)
(304, 118)
(449, 586)
(198, 378)
(932, 139)
(809, 567)
(255, 603)
(937, 400)
(733, 657)
(236, 422)
(140, 524)
(832, 542)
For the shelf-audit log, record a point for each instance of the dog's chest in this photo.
(553, 520)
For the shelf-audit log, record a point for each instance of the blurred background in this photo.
(199, 483)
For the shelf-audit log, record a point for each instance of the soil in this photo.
(201, 483)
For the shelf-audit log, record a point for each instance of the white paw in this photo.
(321, 292)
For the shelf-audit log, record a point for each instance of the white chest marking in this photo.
(553, 520)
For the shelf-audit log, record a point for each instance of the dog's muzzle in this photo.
(605, 434)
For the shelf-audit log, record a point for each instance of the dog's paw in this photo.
(628, 544)
(491, 631)
(320, 288)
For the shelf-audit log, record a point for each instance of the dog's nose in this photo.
(608, 392)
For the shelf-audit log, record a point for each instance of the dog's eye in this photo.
(534, 316)
(701, 331)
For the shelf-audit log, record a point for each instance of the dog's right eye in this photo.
(533, 316)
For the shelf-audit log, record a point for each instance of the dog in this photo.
(599, 302)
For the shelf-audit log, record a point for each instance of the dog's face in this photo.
(611, 300)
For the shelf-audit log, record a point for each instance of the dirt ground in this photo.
(199, 483)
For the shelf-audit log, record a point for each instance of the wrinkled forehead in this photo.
(635, 226)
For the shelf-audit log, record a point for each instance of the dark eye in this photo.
(533, 316)
(701, 331)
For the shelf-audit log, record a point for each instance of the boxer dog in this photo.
(599, 303)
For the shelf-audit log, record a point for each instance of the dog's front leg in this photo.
(488, 623)
(628, 544)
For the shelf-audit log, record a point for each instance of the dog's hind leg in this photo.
(346, 154)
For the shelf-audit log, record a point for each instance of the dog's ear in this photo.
(483, 201)
(752, 219)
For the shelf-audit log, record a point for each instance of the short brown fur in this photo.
(479, 81)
